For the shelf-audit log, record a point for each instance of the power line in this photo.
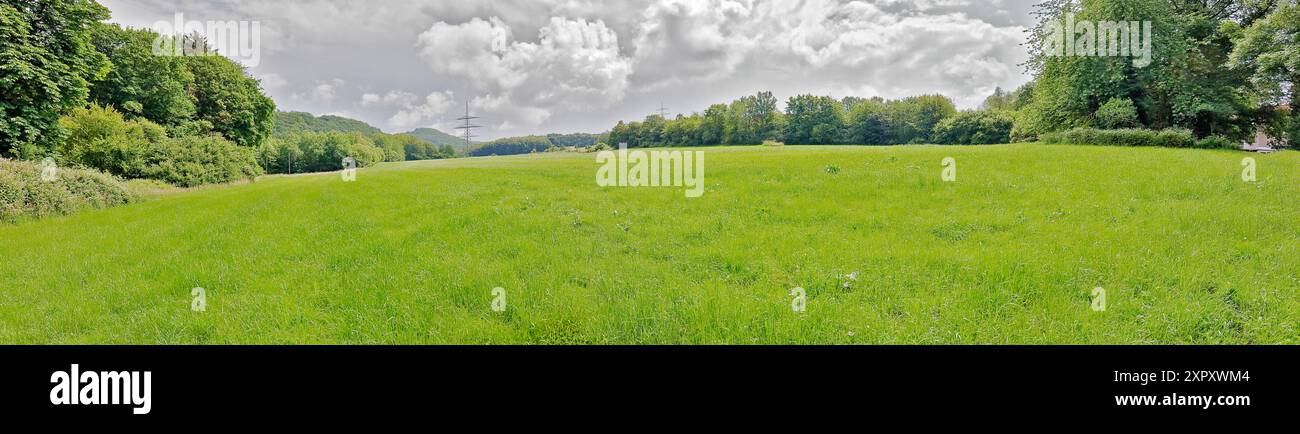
(468, 127)
(663, 111)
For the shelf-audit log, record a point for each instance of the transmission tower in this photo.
(663, 111)
(468, 127)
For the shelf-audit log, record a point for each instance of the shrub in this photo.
(1117, 113)
(1175, 138)
(101, 138)
(974, 128)
(1216, 142)
(194, 161)
(23, 194)
(1169, 138)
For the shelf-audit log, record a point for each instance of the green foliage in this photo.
(1117, 113)
(814, 120)
(141, 84)
(1169, 138)
(230, 101)
(713, 125)
(869, 122)
(405, 147)
(513, 146)
(195, 160)
(755, 119)
(395, 147)
(317, 152)
(100, 138)
(25, 195)
(287, 123)
(913, 119)
(1002, 100)
(1190, 84)
(1269, 51)
(440, 138)
(46, 65)
(974, 128)
(1216, 142)
(749, 120)
(580, 140)
(808, 120)
(909, 120)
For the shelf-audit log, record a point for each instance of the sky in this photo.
(563, 66)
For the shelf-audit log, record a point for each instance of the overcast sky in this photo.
(540, 66)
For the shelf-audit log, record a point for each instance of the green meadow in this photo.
(1009, 253)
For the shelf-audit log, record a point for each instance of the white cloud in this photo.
(411, 111)
(392, 98)
(574, 66)
(271, 81)
(324, 91)
(827, 45)
(692, 39)
(427, 113)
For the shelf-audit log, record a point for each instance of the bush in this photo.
(1175, 138)
(101, 138)
(1169, 138)
(23, 194)
(195, 161)
(974, 128)
(1117, 113)
(1216, 142)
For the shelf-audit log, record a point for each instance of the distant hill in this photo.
(299, 122)
(440, 138)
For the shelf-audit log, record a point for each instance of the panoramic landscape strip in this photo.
(833, 172)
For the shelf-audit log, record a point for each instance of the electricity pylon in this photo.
(468, 127)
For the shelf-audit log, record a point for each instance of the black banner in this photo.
(452, 383)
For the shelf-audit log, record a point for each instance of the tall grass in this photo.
(1009, 254)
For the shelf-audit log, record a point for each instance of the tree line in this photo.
(531, 144)
(820, 120)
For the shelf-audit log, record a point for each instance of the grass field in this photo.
(1009, 253)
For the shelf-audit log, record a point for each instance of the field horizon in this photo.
(886, 251)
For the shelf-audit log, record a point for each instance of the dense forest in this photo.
(298, 122)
